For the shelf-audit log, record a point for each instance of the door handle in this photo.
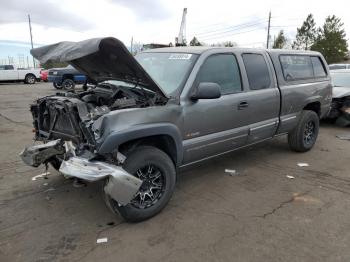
(242, 105)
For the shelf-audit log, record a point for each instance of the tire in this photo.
(139, 162)
(30, 79)
(68, 84)
(56, 85)
(304, 136)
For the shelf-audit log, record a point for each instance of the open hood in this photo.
(100, 59)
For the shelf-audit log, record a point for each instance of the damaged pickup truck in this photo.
(167, 108)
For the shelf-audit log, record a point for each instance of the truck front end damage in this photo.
(64, 125)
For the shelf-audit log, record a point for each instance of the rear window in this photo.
(318, 67)
(299, 67)
(257, 71)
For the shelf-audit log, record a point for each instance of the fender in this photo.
(116, 138)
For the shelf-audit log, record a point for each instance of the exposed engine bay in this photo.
(69, 116)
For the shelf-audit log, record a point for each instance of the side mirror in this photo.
(206, 90)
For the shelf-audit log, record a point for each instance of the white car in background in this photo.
(338, 66)
(340, 108)
(10, 73)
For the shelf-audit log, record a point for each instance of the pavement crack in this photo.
(282, 204)
(13, 121)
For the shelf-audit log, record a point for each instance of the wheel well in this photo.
(163, 142)
(29, 74)
(314, 106)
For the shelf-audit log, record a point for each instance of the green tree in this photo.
(280, 41)
(50, 64)
(306, 34)
(195, 42)
(331, 40)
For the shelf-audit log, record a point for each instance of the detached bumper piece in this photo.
(121, 185)
(37, 154)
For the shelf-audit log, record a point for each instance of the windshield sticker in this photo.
(180, 56)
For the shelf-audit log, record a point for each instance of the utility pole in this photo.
(131, 44)
(31, 37)
(268, 31)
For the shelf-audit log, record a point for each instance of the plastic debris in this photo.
(50, 189)
(101, 240)
(290, 177)
(45, 184)
(303, 164)
(232, 172)
(344, 137)
(43, 175)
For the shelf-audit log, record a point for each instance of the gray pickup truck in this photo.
(167, 108)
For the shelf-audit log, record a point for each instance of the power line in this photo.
(225, 35)
(233, 28)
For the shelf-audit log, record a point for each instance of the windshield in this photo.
(340, 79)
(168, 70)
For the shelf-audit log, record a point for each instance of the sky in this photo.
(157, 21)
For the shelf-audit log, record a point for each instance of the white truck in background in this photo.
(9, 73)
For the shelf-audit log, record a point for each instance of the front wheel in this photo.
(304, 136)
(30, 79)
(157, 171)
(56, 85)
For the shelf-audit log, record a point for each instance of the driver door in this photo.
(215, 126)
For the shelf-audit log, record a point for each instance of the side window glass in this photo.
(318, 66)
(296, 67)
(257, 71)
(221, 69)
(8, 67)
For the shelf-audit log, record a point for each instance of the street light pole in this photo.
(31, 36)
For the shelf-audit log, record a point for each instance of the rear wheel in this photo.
(157, 171)
(30, 79)
(304, 136)
(68, 84)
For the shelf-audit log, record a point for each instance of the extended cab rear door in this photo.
(263, 97)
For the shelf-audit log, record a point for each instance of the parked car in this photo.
(340, 108)
(66, 77)
(339, 66)
(44, 74)
(10, 73)
(168, 108)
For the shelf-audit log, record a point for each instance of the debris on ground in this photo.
(232, 172)
(45, 184)
(343, 136)
(303, 164)
(43, 175)
(101, 240)
(50, 189)
(78, 183)
(290, 177)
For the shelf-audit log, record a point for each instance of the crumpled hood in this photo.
(100, 59)
(340, 91)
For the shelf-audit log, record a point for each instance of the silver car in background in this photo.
(340, 108)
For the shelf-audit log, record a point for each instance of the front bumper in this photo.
(121, 186)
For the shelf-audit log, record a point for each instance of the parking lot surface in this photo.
(272, 210)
